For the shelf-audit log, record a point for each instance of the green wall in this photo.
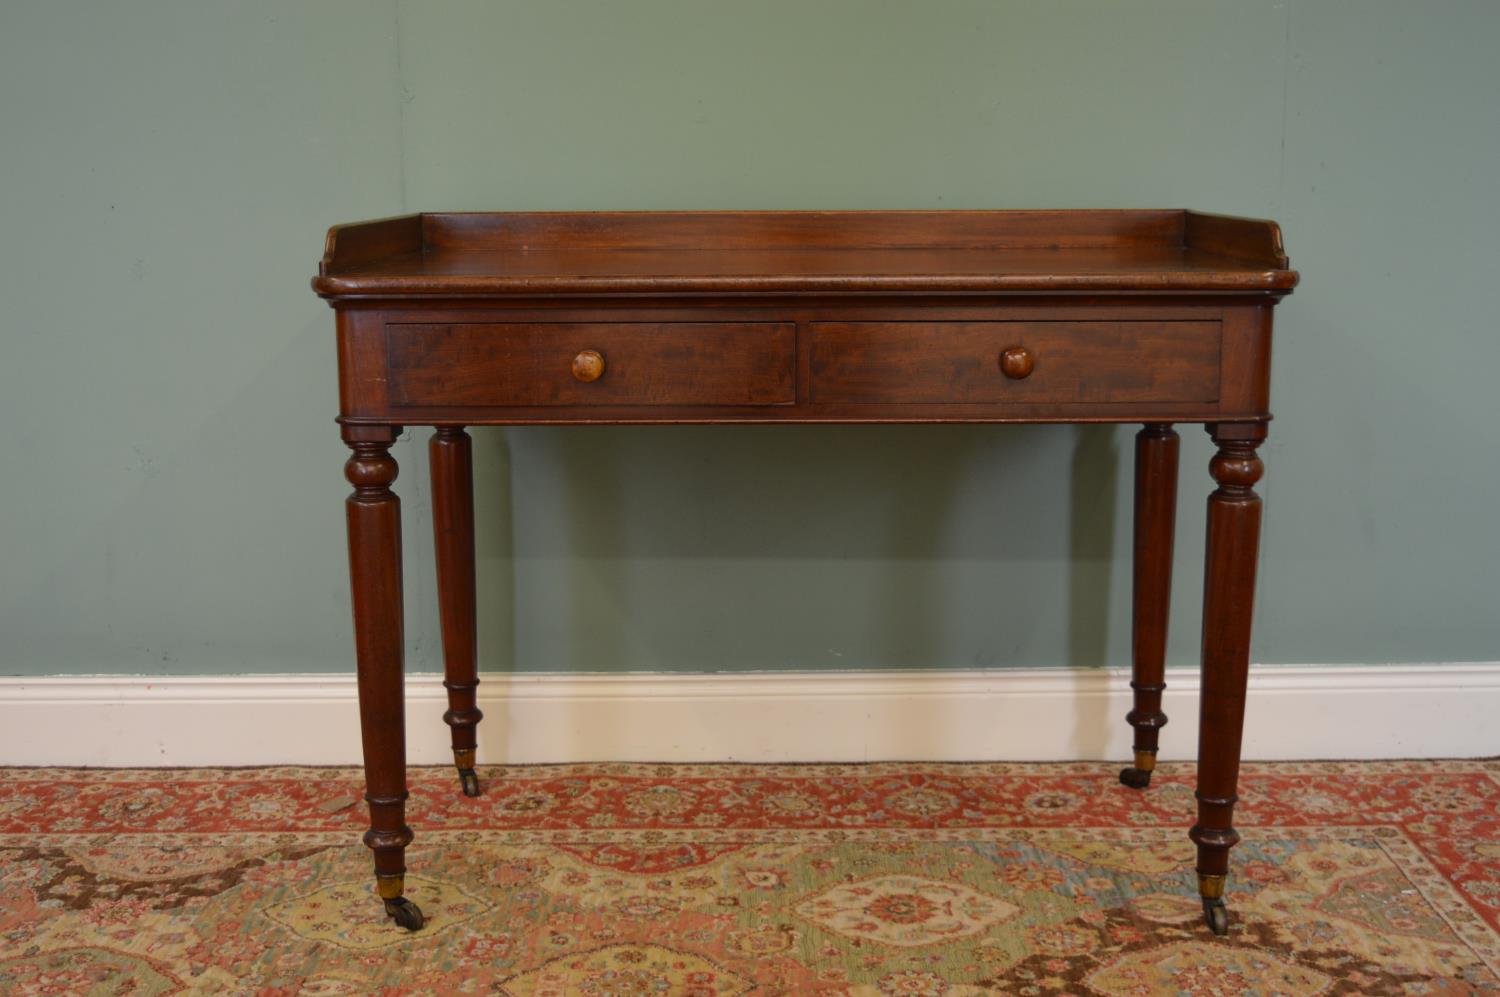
(172, 493)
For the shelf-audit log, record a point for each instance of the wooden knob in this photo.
(1016, 362)
(588, 366)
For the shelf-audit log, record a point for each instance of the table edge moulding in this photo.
(453, 320)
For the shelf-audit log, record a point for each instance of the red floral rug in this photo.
(717, 880)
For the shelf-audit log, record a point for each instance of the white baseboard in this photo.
(1294, 712)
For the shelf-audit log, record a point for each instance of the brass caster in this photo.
(1216, 915)
(1136, 778)
(470, 781)
(405, 913)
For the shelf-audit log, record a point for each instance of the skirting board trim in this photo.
(1293, 712)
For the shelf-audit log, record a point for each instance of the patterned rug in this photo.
(718, 880)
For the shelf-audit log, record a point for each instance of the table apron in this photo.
(1124, 362)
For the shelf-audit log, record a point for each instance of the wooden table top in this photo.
(573, 253)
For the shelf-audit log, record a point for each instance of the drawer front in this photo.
(625, 363)
(1049, 362)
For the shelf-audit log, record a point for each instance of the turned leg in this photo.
(1228, 595)
(1155, 519)
(374, 517)
(453, 534)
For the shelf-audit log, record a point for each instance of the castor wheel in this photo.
(405, 913)
(1135, 778)
(1216, 915)
(470, 781)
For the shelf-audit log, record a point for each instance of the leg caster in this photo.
(464, 761)
(470, 782)
(1139, 775)
(1215, 913)
(405, 913)
(408, 915)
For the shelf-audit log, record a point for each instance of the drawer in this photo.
(1050, 362)
(618, 363)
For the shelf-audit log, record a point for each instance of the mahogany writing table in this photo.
(1150, 317)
